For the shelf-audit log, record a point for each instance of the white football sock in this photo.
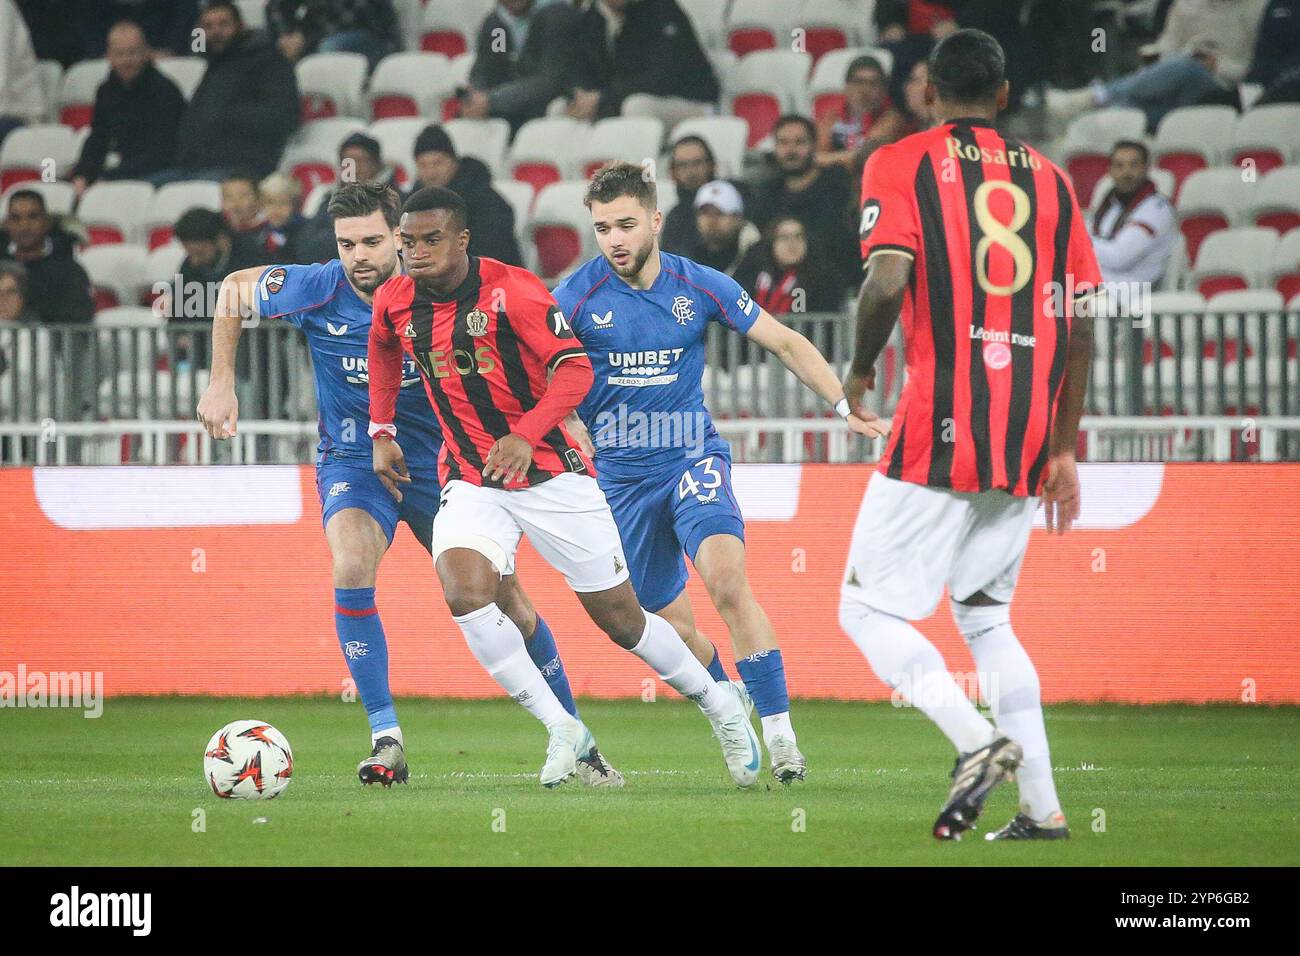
(394, 732)
(497, 644)
(777, 725)
(1009, 686)
(672, 660)
(903, 658)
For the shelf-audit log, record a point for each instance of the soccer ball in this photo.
(248, 760)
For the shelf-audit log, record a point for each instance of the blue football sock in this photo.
(764, 677)
(361, 635)
(542, 649)
(716, 670)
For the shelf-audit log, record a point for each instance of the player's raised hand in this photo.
(390, 465)
(1061, 495)
(509, 457)
(219, 410)
(855, 386)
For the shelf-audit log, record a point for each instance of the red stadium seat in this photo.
(1213, 285)
(12, 177)
(558, 247)
(1265, 159)
(159, 236)
(748, 39)
(1288, 284)
(447, 42)
(314, 106)
(1196, 228)
(393, 104)
(105, 235)
(825, 103)
(537, 175)
(1283, 222)
(1086, 170)
(1181, 165)
(760, 111)
(77, 115)
(312, 174)
(822, 40)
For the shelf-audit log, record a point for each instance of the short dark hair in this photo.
(796, 119)
(865, 62)
(363, 142)
(621, 178)
(201, 225)
(206, 5)
(18, 272)
(31, 194)
(1132, 144)
(968, 66)
(431, 198)
(240, 176)
(692, 140)
(354, 200)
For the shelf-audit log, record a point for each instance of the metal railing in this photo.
(1180, 382)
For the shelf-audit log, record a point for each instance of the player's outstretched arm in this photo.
(219, 408)
(801, 357)
(384, 369)
(1061, 492)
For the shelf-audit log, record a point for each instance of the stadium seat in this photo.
(1192, 138)
(1166, 313)
(635, 139)
(666, 191)
(1088, 141)
(1269, 135)
(51, 82)
(330, 84)
(1163, 179)
(173, 199)
(833, 25)
(115, 210)
(450, 27)
(708, 20)
(77, 97)
(59, 197)
(160, 269)
(254, 13)
(1211, 199)
(545, 150)
(758, 25)
(319, 195)
(766, 85)
(396, 138)
(118, 274)
(724, 67)
(185, 71)
(1232, 259)
(726, 136)
(826, 88)
(520, 197)
(559, 235)
(43, 151)
(1284, 271)
(1248, 321)
(411, 84)
(484, 139)
(1276, 203)
(312, 153)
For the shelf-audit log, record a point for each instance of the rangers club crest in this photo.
(683, 309)
(476, 322)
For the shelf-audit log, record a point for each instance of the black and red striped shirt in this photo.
(484, 352)
(1000, 254)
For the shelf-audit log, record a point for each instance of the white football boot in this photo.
(740, 746)
(569, 740)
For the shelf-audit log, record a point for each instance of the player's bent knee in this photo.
(354, 569)
(473, 542)
(972, 620)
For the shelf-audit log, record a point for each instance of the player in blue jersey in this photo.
(642, 317)
(331, 303)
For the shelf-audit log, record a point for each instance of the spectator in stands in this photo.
(58, 288)
(137, 113)
(909, 29)
(240, 204)
(13, 294)
(22, 100)
(1134, 228)
(821, 198)
(526, 55)
(25, 358)
(211, 254)
(491, 217)
(47, 22)
(920, 116)
(360, 161)
(167, 24)
(868, 118)
(300, 27)
(691, 163)
(245, 107)
(783, 276)
(282, 220)
(644, 47)
(723, 233)
(1204, 49)
(1276, 61)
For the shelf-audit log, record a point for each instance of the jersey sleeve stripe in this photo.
(563, 354)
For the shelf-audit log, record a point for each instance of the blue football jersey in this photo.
(319, 300)
(646, 408)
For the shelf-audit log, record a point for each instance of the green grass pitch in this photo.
(1169, 785)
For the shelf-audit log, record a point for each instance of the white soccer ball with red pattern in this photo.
(248, 760)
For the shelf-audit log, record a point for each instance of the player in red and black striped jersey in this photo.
(503, 371)
(977, 239)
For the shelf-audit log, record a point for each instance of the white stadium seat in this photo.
(546, 150)
(312, 154)
(450, 27)
(116, 210)
(59, 197)
(172, 200)
(51, 82)
(765, 85)
(1276, 201)
(826, 86)
(1192, 138)
(632, 138)
(559, 236)
(724, 66)
(118, 273)
(411, 84)
(520, 197)
(484, 139)
(1284, 270)
(330, 84)
(43, 151)
(1233, 259)
(77, 96)
(1088, 140)
(759, 25)
(1211, 199)
(1268, 135)
(185, 71)
(726, 136)
(834, 25)
(396, 138)
(707, 17)
(162, 265)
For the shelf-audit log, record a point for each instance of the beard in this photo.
(373, 281)
(637, 262)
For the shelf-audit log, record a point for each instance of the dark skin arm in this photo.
(879, 303)
(1061, 497)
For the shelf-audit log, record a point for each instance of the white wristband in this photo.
(375, 430)
(842, 408)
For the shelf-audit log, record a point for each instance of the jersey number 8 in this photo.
(995, 233)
